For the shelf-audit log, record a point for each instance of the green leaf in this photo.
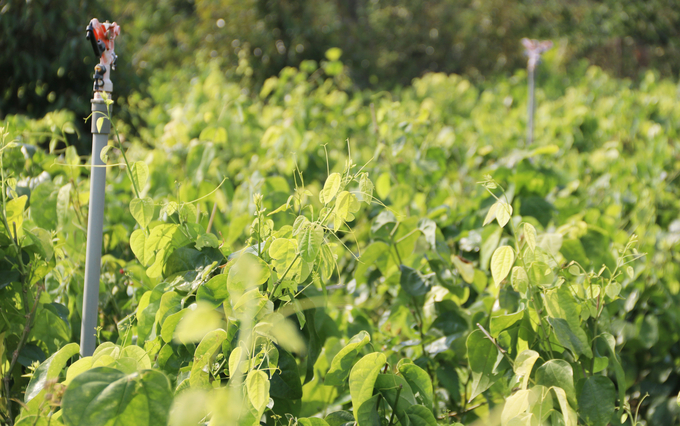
(367, 414)
(561, 304)
(235, 360)
(42, 240)
(14, 210)
(100, 123)
(285, 383)
(138, 354)
(344, 360)
(610, 344)
(366, 187)
(142, 210)
(330, 188)
(541, 274)
(197, 323)
(49, 370)
(558, 373)
(574, 340)
(503, 213)
(104, 153)
(248, 271)
(596, 402)
(483, 358)
(568, 414)
(466, 270)
(339, 418)
(160, 242)
(214, 134)
(207, 240)
(419, 381)
(63, 202)
(515, 405)
(551, 243)
(362, 379)
(312, 421)
(420, 416)
(519, 279)
(501, 263)
(188, 213)
(205, 352)
(140, 173)
(283, 252)
(169, 326)
(257, 384)
(530, 236)
(78, 367)
(345, 207)
(37, 420)
(309, 242)
(214, 291)
(491, 214)
(388, 385)
(499, 323)
(413, 282)
(105, 396)
(138, 244)
(524, 363)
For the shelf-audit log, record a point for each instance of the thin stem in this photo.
(501, 350)
(212, 218)
(540, 320)
(396, 402)
(280, 280)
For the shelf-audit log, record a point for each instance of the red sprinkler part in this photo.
(102, 37)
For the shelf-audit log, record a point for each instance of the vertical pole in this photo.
(95, 228)
(531, 108)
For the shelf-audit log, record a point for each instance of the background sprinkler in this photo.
(533, 49)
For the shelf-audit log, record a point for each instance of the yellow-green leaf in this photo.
(139, 172)
(142, 210)
(330, 188)
(524, 363)
(530, 236)
(257, 384)
(501, 263)
(15, 215)
(491, 214)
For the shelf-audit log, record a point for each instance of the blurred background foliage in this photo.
(46, 62)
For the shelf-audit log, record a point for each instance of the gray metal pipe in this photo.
(95, 228)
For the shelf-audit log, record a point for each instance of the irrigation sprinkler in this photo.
(102, 37)
(534, 50)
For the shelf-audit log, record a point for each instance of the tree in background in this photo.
(384, 43)
(45, 61)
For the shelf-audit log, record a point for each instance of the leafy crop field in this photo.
(318, 256)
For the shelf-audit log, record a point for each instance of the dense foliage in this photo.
(314, 255)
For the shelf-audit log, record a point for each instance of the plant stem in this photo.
(280, 280)
(396, 402)
(212, 218)
(501, 350)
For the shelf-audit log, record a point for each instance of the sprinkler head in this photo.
(102, 38)
(534, 49)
